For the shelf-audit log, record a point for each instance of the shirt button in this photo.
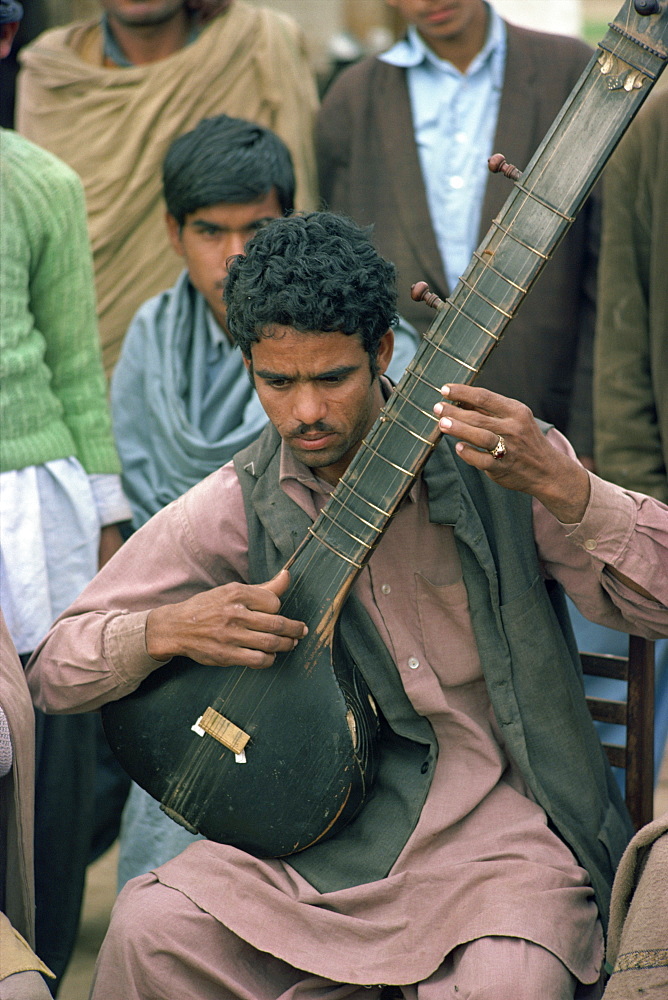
(590, 544)
(413, 662)
(425, 767)
(456, 183)
(385, 589)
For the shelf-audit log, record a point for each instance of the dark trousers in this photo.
(80, 791)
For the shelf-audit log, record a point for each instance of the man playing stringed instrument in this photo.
(488, 874)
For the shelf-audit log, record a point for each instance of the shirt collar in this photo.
(412, 51)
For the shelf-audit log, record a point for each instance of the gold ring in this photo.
(499, 449)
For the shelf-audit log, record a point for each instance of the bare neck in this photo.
(151, 43)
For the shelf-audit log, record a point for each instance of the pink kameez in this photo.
(482, 859)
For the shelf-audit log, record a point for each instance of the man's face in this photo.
(143, 13)
(211, 235)
(442, 20)
(318, 392)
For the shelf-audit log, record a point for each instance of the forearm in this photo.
(565, 489)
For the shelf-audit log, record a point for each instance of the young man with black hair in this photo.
(182, 403)
(492, 878)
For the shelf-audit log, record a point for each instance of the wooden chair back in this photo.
(636, 713)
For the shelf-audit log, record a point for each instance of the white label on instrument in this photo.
(196, 728)
(240, 758)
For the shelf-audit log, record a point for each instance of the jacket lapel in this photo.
(401, 164)
(516, 126)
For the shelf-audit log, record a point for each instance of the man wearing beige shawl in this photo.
(108, 96)
(638, 937)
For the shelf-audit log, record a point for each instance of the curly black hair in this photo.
(226, 159)
(316, 271)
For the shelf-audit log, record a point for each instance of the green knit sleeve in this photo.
(63, 304)
(54, 395)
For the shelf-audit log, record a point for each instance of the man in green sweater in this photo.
(60, 493)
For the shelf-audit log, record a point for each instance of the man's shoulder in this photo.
(21, 153)
(72, 36)
(29, 170)
(361, 82)
(266, 25)
(547, 47)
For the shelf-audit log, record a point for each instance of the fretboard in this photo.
(519, 243)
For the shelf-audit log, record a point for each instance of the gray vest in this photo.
(530, 663)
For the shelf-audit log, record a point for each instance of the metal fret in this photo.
(516, 239)
(413, 374)
(545, 204)
(488, 266)
(407, 399)
(379, 454)
(374, 527)
(476, 291)
(359, 496)
(413, 433)
(452, 357)
(331, 548)
(471, 320)
(365, 545)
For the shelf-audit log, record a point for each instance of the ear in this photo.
(174, 233)
(7, 32)
(385, 350)
(248, 364)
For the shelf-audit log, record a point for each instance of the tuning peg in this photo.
(420, 293)
(499, 165)
(645, 7)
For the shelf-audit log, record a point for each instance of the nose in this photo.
(236, 241)
(308, 406)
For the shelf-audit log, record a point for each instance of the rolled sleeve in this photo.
(622, 530)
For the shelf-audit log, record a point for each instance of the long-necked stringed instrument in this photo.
(273, 761)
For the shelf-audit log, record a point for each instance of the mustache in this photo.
(318, 427)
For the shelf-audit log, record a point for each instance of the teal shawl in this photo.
(182, 403)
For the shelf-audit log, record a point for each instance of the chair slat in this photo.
(606, 710)
(636, 714)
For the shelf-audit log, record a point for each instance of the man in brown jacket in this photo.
(403, 141)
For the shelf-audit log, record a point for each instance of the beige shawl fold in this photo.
(638, 932)
(114, 125)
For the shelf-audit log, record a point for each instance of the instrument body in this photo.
(310, 723)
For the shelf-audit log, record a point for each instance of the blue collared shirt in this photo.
(454, 120)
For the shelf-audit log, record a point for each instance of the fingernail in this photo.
(445, 422)
(445, 390)
(438, 409)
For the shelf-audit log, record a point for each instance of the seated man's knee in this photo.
(503, 968)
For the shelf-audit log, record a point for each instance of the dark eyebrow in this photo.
(203, 224)
(341, 370)
(255, 224)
